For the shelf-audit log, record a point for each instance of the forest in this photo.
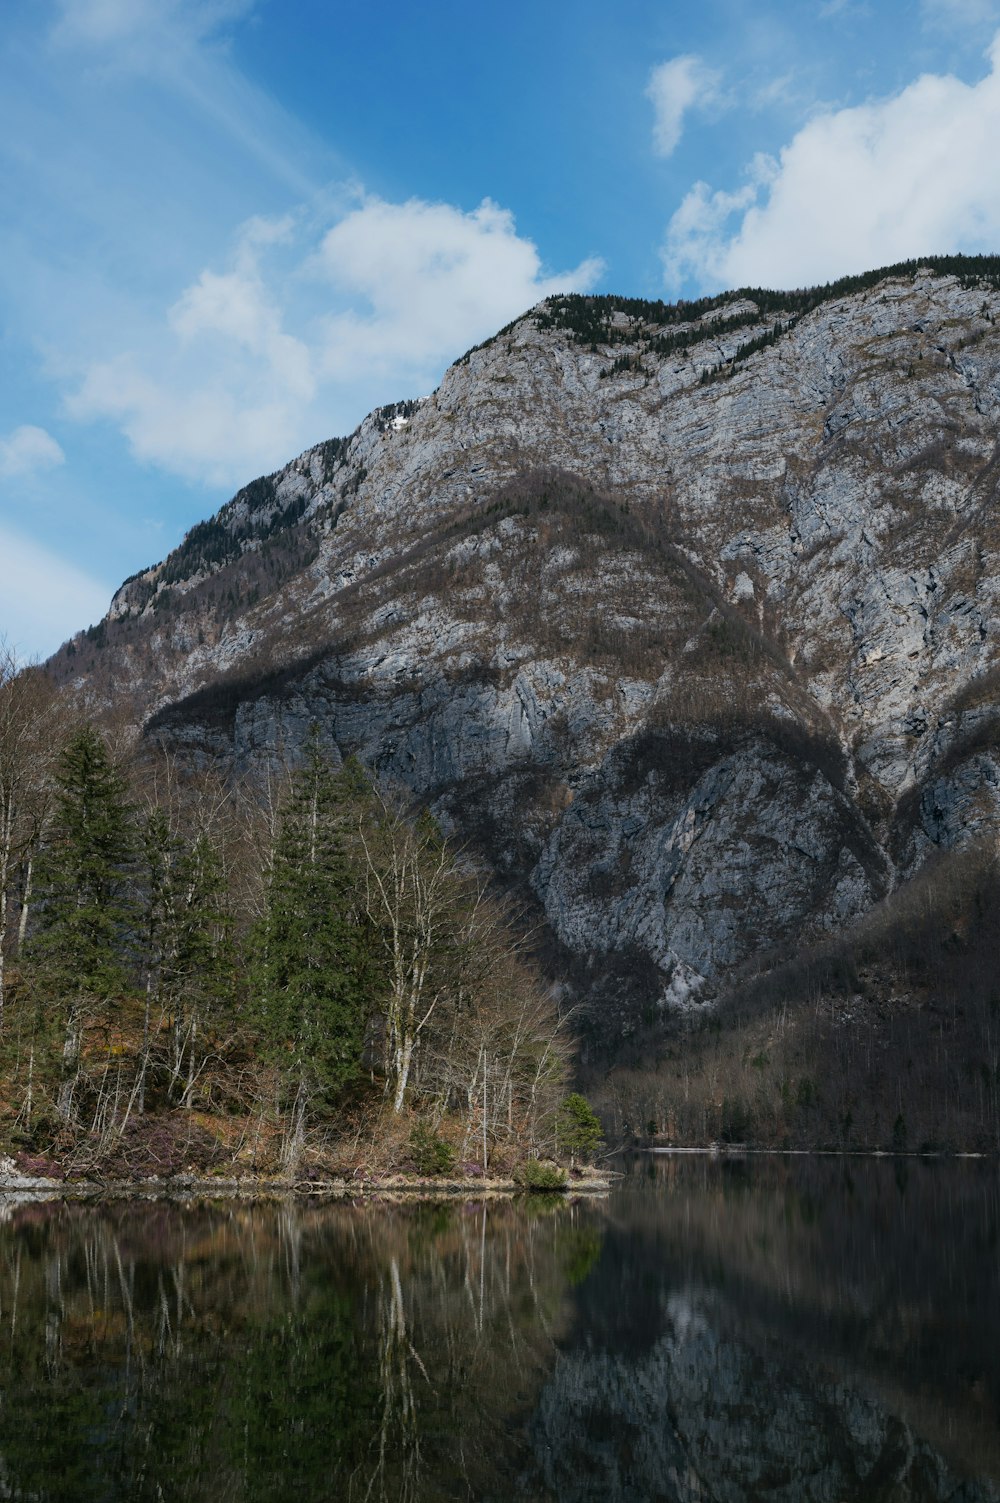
(286, 972)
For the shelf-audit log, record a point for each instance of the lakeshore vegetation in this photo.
(283, 973)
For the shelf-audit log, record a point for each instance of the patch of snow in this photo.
(682, 993)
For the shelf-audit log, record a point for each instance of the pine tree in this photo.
(188, 945)
(25, 758)
(578, 1128)
(85, 913)
(313, 973)
(84, 917)
(158, 846)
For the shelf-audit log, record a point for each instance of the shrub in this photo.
(534, 1175)
(431, 1154)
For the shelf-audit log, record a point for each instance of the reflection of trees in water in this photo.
(399, 1428)
(265, 1352)
(822, 1330)
(469, 1305)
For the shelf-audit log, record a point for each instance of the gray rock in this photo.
(700, 701)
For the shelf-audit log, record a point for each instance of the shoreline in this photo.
(186, 1187)
(745, 1150)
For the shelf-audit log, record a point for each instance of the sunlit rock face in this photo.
(702, 661)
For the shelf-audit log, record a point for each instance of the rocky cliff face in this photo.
(685, 618)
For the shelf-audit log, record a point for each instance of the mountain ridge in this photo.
(690, 635)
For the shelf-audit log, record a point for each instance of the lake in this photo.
(739, 1329)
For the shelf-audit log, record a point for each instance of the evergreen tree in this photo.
(25, 758)
(314, 972)
(578, 1128)
(200, 970)
(158, 847)
(85, 915)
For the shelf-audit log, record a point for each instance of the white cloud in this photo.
(916, 174)
(682, 84)
(44, 600)
(434, 279)
(236, 308)
(306, 330)
(947, 14)
(28, 449)
(137, 29)
(181, 44)
(700, 222)
(216, 432)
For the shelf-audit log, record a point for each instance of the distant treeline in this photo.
(601, 321)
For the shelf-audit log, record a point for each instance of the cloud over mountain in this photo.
(257, 359)
(675, 87)
(854, 188)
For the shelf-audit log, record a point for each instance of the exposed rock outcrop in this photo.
(685, 618)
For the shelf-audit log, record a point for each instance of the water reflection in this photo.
(255, 1353)
(773, 1329)
(784, 1329)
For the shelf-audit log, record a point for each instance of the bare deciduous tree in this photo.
(410, 898)
(491, 1043)
(26, 740)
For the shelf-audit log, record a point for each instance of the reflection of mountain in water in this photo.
(715, 1333)
(705, 1415)
(815, 1330)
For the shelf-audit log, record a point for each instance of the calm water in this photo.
(765, 1329)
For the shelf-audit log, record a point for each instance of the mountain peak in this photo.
(682, 615)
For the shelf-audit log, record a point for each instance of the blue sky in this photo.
(231, 227)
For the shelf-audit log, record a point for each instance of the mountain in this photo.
(682, 617)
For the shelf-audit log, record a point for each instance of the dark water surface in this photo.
(759, 1329)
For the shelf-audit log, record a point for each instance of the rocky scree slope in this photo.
(683, 617)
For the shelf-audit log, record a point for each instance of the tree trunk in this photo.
(189, 1088)
(29, 1099)
(141, 1098)
(3, 950)
(295, 1141)
(22, 923)
(404, 1057)
(71, 1063)
(485, 1103)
